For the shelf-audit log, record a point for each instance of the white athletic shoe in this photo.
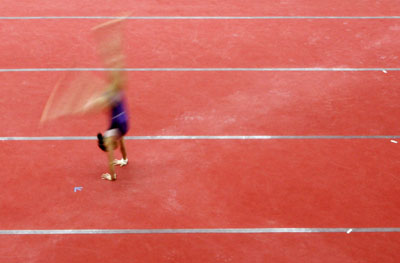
(121, 162)
(108, 177)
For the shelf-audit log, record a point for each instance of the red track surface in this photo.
(201, 8)
(209, 183)
(313, 248)
(221, 103)
(206, 43)
(202, 184)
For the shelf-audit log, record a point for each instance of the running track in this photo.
(210, 76)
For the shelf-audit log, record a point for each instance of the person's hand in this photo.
(121, 162)
(108, 177)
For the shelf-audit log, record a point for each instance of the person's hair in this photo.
(100, 142)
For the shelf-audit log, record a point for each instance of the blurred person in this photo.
(112, 100)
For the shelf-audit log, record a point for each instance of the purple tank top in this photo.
(118, 112)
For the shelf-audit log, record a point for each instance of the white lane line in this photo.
(194, 69)
(197, 231)
(193, 17)
(201, 137)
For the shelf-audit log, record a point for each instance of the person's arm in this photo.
(124, 160)
(110, 154)
(123, 149)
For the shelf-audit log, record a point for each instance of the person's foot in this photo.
(121, 162)
(108, 177)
